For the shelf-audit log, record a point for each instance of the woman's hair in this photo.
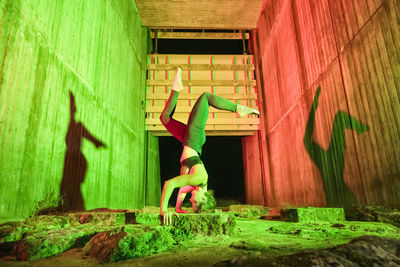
(208, 203)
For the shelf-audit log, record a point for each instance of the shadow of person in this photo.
(331, 162)
(75, 164)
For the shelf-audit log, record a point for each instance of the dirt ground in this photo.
(254, 237)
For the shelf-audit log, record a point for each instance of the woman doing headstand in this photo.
(193, 176)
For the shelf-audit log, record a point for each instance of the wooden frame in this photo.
(229, 76)
(199, 35)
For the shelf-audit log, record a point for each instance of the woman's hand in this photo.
(167, 217)
(178, 210)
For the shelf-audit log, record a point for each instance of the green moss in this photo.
(146, 218)
(45, 236)
(248, 211)
(98, 218)
(143, 241)
(311, 214)
(13, 231)
(50, 243)
(208, 224)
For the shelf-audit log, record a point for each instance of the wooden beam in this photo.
(186, 96)
(200, 35)
(205, 82)
(196, 57)
(187, 109)
(217, 121)
(233, 127)
(213, 133)
(243, 67)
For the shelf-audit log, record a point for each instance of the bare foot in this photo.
(243, 110)
(177, 85)
(181, 211)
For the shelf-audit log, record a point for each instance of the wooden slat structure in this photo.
(229, 76)
(194, 14)
(234, 35)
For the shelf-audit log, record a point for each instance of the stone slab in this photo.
(206, 223)
(100, 218)
(43, 244)
(361, 251)
(105, 236)
(248, 211)
(378, 214)
(143, 240)
(311, 214)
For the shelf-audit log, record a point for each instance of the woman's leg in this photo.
(195, 135)
(199, 114)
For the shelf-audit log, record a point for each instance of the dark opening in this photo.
(222, 157)
(200, 46)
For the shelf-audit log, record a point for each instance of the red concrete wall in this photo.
(349, 152)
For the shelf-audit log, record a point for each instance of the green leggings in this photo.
(195, 136)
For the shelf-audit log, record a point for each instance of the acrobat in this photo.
(193, 175)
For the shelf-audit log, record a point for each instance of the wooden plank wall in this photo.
(205, 14)
(229, 76)
(348, 49)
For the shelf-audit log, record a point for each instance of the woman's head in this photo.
(202, 199)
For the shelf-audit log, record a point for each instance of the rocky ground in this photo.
(238, 237)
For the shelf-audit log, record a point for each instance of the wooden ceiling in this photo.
(199, 14)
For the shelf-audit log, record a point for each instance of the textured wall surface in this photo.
(328, 75)
(72, 91)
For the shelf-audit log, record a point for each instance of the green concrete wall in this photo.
(96, 50)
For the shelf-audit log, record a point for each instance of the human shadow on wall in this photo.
(75, 164)
(330, 162)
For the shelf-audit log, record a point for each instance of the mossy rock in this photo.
(43, 244)
(98, 218)
(311, 214)
(361, 251)
(389, 215)
(205, 224)
(48, 222)
(13, 231)
(148, 215)
(143, 240)
(248, 211)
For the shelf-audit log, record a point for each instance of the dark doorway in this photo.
(200, 46)
(222, 157)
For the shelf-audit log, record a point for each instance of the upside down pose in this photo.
(193, 176)
(331, 161)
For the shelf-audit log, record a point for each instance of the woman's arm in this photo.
(198, 176)
(169, 187)
(181, 196)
